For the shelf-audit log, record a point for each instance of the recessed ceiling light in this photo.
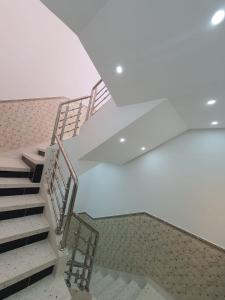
(214, 123)
(122, 140)
(218, 17)
(143, 148)
(211, 102)
(119, 69)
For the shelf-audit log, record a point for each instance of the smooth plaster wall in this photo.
(40, 56)
(181, 182)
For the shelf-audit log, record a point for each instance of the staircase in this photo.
(120, 286)
(28, 256)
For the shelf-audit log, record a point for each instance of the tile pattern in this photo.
(26, 123)
(186, 267)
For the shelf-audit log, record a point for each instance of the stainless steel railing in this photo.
(83, 245)
(62, 185)
(73, 114)
(70, 117)
(99, 96)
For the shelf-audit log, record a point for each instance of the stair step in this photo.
(48, 288)
(7, 183)
(101, 285)
(34, 158)
(149, 293)
(130, 292)
(14, 229)
(24, 262)
(13, 164)
(9, 203)
(113, 290)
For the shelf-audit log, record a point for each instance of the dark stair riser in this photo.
(23, 242)
(15, 288)
(15, 174)
(18, 191)
(36, 170)
(19, 213)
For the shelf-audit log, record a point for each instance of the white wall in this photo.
(40, 56)
(182, 182)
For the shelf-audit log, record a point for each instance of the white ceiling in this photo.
(168, 50)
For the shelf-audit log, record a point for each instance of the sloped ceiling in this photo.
(168, 50)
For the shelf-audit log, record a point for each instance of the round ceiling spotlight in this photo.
(211, 102)
(122, 140)
(218, 17)
(119, 69)
(214, 123)
(143, 148)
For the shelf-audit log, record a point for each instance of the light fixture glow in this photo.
(218, 17)
(122, 140)
(214, 123)
(143, 148)
(211, 102)
(119, 69)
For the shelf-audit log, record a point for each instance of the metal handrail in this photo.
(67, 161)
(85, 248)
(81, 102)
(62, 190)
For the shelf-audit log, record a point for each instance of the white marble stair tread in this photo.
(35, 158)
(149, 293)
(131, 291)
(8, 203)
(20, 263)
(113, 290)
(17, 183)
(13, 164)
(14, 229)
(49, 287)
(96, 277)
(101, 285)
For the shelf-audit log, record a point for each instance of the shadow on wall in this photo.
(186, 267)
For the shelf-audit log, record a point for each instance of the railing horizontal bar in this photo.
(100, 96)
(67, 124)
(69, 165)
(95, 106)
(104, 87)
(86, 224)
(70, 117)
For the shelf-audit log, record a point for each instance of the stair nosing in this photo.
(30, 269)
(7, 206)
(26, 233)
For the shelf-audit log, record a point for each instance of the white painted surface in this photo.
(168, 49)
(146, 124)
(182, 182)
(40, 56)
(155, 127)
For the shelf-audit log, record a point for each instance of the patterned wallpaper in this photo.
(27, 122)
(186, 267)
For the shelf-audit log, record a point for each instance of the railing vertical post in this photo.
(56, 125)
(69, 216)
(64, 122)
(65, 200)
(78, 119)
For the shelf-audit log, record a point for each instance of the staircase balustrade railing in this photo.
(73, 114)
